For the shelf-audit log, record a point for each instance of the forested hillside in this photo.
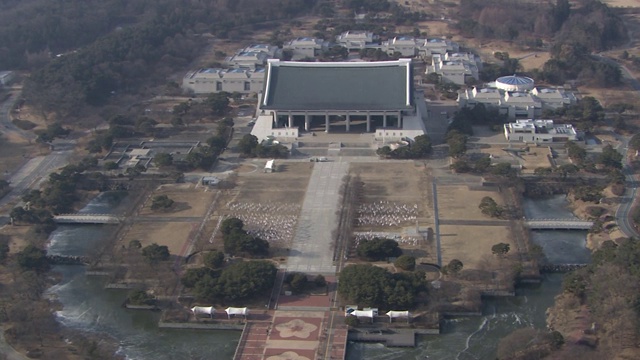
(589, 23)
(570, 30)
(162, 39)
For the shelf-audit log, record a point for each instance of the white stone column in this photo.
(368, 122)
(290, 121)
(348, 122)
(384, 120)
(326, 122)
(307, 122)
(274, 120)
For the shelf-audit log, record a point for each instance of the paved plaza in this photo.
(312, 249)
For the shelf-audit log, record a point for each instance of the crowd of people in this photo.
(273, 222)
(386, 213)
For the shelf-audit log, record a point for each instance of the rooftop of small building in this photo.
(542, 126)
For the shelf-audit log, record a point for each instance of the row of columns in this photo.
(307, 122)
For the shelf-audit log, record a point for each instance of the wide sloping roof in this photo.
(385, 85)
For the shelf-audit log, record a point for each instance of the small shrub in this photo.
(351, 321)
(595, 211)
(618, 189)
(161, 202)
(140, 297)
(135, 244)
(406, 262)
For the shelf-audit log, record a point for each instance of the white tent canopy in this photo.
(397, 314)
(237, 311)
(368, 313)
(207, 310)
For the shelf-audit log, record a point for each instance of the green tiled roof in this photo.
(338, 86)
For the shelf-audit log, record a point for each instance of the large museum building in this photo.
(338, 96)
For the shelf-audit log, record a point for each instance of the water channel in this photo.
(477, 338)
(87, 306)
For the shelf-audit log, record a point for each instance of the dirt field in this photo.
(13, 155)
(167, 227)
(172, 234)
(189, 202)
(267, 203)
(399, 190)
(472, 244)
(460, 203)
(535, 158)
(622, 3)
(288, 184)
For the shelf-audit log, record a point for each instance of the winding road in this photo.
(34, 171)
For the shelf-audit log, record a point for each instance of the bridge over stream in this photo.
(558, 224)
(86, 219)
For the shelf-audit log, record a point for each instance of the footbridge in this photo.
(86, 219)
(558, 224)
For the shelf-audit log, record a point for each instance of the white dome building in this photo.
(515, 83)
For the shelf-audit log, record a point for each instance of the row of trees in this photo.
(368, 285)
(250, 147)
(240, 281)
(378, 249)
(238, 242)
(58, 194)
(419, 148)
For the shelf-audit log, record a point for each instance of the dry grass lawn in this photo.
(14, 153)
(472, 244)
(17, 237)
(189, 201)
(535, 158)
(622, 3)
(255, 191)
(403, 183)
(610, 96)
(460, 203)
(287, 185)
(172, 234)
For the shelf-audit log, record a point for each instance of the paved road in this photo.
(623, 214)
(33, 173)
(312, 248)
(9, 352)
(474, 222)
(6, 126)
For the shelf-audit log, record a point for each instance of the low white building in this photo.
(355, 40)
(270, 50)
(539, 131)
(554, 98)
(305, 47)
(212, 80)
(408, 46)
(248, 60)
(428, 47)
(405, 45)
(517, 104)
(520, 105)
(6, 77)
(455, 67)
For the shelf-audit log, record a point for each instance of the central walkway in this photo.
(313, 243)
